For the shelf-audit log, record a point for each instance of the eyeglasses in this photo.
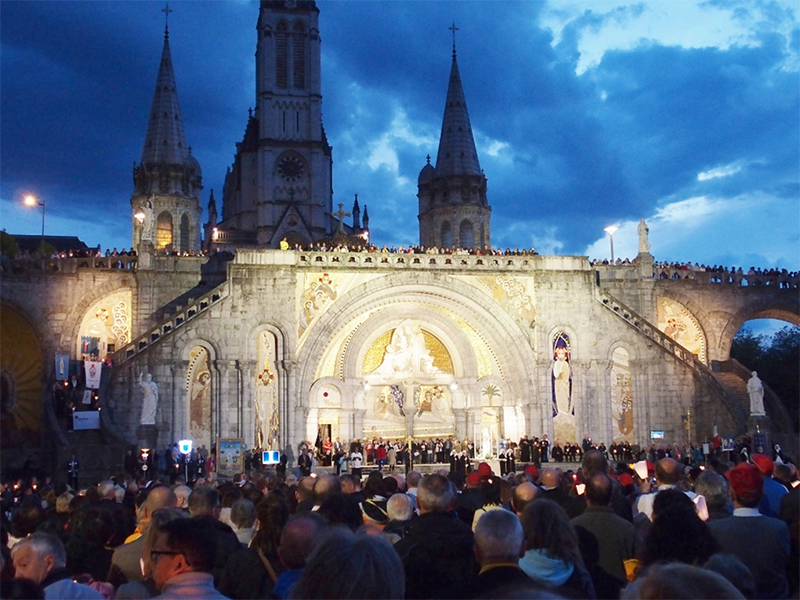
(154, 554)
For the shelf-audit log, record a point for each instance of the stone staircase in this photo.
(678, 351)
(736, 386)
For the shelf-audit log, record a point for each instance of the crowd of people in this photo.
(415, 249)
(607, 529)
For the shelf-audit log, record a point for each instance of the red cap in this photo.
(764, 463)
(484, 470)
(532, 470)
(625, 479)
(746, 481)
(474, 479)
(651, 468)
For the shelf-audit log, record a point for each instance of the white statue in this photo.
(644, 245)
(561, 374)
(149, 400)
(407, 354)
(756, 390)
(148, 225)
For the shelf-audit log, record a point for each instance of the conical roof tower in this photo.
(168, 179)
(453, 210)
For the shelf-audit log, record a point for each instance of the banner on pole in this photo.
(93, 371)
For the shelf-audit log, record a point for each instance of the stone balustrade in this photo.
(20, 266)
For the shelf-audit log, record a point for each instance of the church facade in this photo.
(273, 347)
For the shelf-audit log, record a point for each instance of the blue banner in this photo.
(62, 367)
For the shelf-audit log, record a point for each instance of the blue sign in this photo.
(270, 457)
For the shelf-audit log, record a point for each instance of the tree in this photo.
(8, 245)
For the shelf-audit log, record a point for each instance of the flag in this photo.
(93, 371)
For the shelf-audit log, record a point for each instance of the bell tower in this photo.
(280, 183)
(453, 209)
(167, 180)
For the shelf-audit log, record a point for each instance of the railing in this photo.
(783, 281)
(18, 266)
(388, 260)
(677, 350)
(170, 324)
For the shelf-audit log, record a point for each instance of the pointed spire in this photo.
(457, 154)
(165, 141)
(366, 218)
(356, 215)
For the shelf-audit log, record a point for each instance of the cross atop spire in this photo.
(453, 28)
(166, 10)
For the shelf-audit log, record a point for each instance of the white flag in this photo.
(93, 371)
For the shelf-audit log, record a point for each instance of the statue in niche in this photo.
(149, 399)
(561, 385)
(644, 244)
(756, 391)
(148, 223)
(407, 354)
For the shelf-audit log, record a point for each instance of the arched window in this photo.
(282, 55)
(465, 235)
(185, 235)
(299, 56)
(447, 235)
(164, 230)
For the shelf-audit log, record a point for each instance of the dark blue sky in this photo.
(586, 114)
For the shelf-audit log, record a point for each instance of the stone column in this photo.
(461, 423)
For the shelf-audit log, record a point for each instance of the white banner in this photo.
(86, 419)
(93, 371)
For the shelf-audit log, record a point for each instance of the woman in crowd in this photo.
(553, 558)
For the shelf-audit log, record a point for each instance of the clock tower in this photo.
(280, 183)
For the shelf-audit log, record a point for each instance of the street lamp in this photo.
(611, 230)
(31, 200)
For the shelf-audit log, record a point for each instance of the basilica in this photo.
(277, 320)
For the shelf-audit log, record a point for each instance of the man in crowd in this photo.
(204, 506)
(524, 494)
(606, 540)
(42, 558)
(773, 490)
(297, 542)
(668, 474)
(499, 544)
(125, 565)
(182, 558)
(551, 481)
(762, 543)
(437, 549)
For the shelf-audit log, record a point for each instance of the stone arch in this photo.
(74, 319)
(466, 235)
(687, 324)
(199, 391)
(764, 309)
(498, 329)
(165, 234)
(185, 233)
(33, 314)
(108, 322)
(267, 385)
(447, 235)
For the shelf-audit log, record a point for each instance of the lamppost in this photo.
(31, 200)
(611, 230)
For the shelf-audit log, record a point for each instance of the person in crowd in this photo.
(715, 489)
(42, 558)
(678, 580)
(606, 540)
(146, 588)
(412, 481)
(490, 492)
(553, 491)
(437, 549)
(524, 494)
(499, 545)
(677, 534)
(253, 572)
(400, 512)
(773, 490)
(182, 492)
(735, 571)
(125, 565)
(204, 506)
(348, 565)
(325, 487)
(243, 520)
(297, 543)
(183, 557)
(304, 494)
(761, 542)
(668, 474)
(470, 499)
(553, 558)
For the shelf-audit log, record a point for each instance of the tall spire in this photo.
(165, 142)
(457, 154)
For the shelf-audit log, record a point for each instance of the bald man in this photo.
(125, 565)
(524, 494)
(668, 474)
(553, 490)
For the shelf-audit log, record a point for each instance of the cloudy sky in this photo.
(586, 114)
